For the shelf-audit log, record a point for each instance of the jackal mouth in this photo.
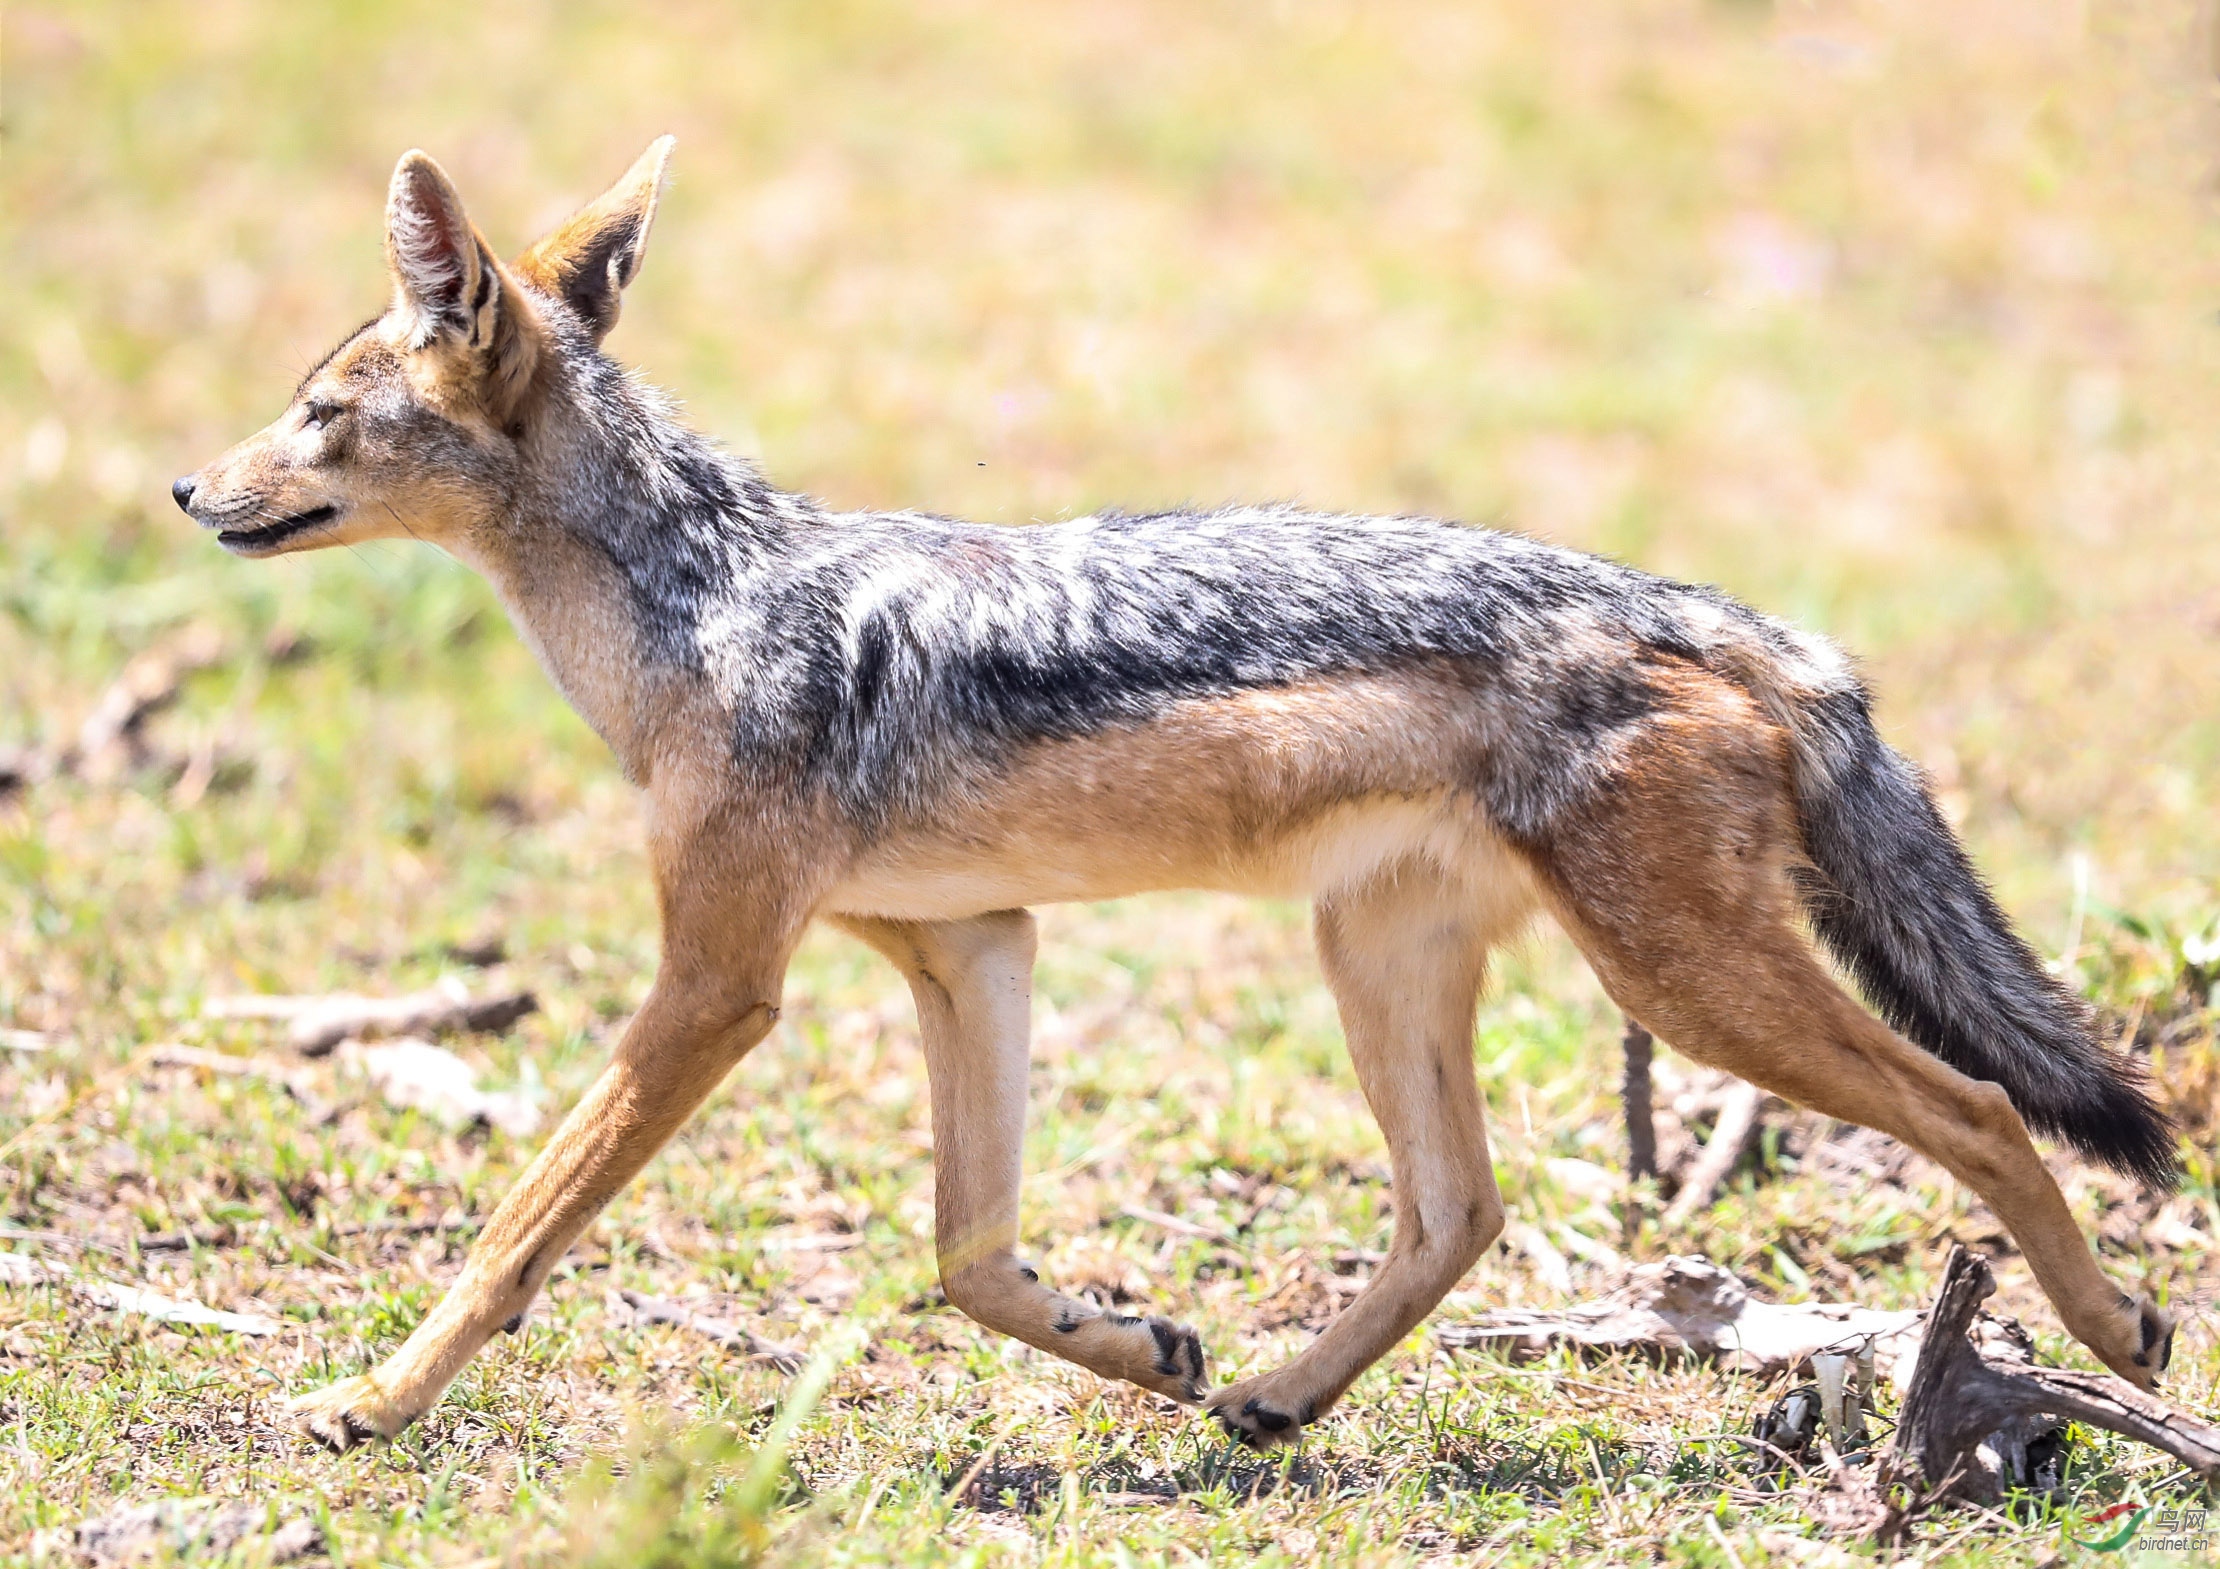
(267, 536)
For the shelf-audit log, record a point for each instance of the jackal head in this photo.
(417, 424)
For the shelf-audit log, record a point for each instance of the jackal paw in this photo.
(2154, 1344)
(350, 1412)
(1179, 1364)
(1251, 1412)
(1157, 1354)
(2136, 1340)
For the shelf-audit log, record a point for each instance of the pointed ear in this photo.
(448, 288)
(589, 260)
(437, 260)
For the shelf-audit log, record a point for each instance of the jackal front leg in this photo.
(973, 981)
(679, 1047)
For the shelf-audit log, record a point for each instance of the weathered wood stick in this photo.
(1634, 1093)
(1958, 1397)
(1730, 1138)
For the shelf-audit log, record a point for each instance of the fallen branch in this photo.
(1178, 1226)
(807, 1241)
(644, 1309)
(186, 1240)
(1962, 1398)
(1686, 1307)
(316, 1025)
(16, 1269)
(403, 1228)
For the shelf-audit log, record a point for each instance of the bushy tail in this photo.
(1896, 901)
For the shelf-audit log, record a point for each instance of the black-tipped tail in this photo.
(1896, 901)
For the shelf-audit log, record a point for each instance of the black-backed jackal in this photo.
(915, 728)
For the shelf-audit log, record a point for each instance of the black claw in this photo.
(2157, 1336)
(1179, 1354)
(1236, 1431)
(1166, 1344)
(1271, 1421)
(1171, 1339)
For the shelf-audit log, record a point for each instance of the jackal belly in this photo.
(1098, 855)
(1287, 793)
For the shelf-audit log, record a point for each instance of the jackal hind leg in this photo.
(1405, 956)
(973, 982)
(1677, 890)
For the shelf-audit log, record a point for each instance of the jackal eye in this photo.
(320, 414)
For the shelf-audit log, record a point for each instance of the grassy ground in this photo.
(1899, 323)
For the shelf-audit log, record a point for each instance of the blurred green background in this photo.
(1902, 321)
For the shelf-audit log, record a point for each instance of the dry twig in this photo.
(1178, 1226)
(645, 1309)
(1722, 1152)
(1634, 1093)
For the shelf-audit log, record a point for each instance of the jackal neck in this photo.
(629, 533)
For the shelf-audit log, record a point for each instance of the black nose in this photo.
(182, 494)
